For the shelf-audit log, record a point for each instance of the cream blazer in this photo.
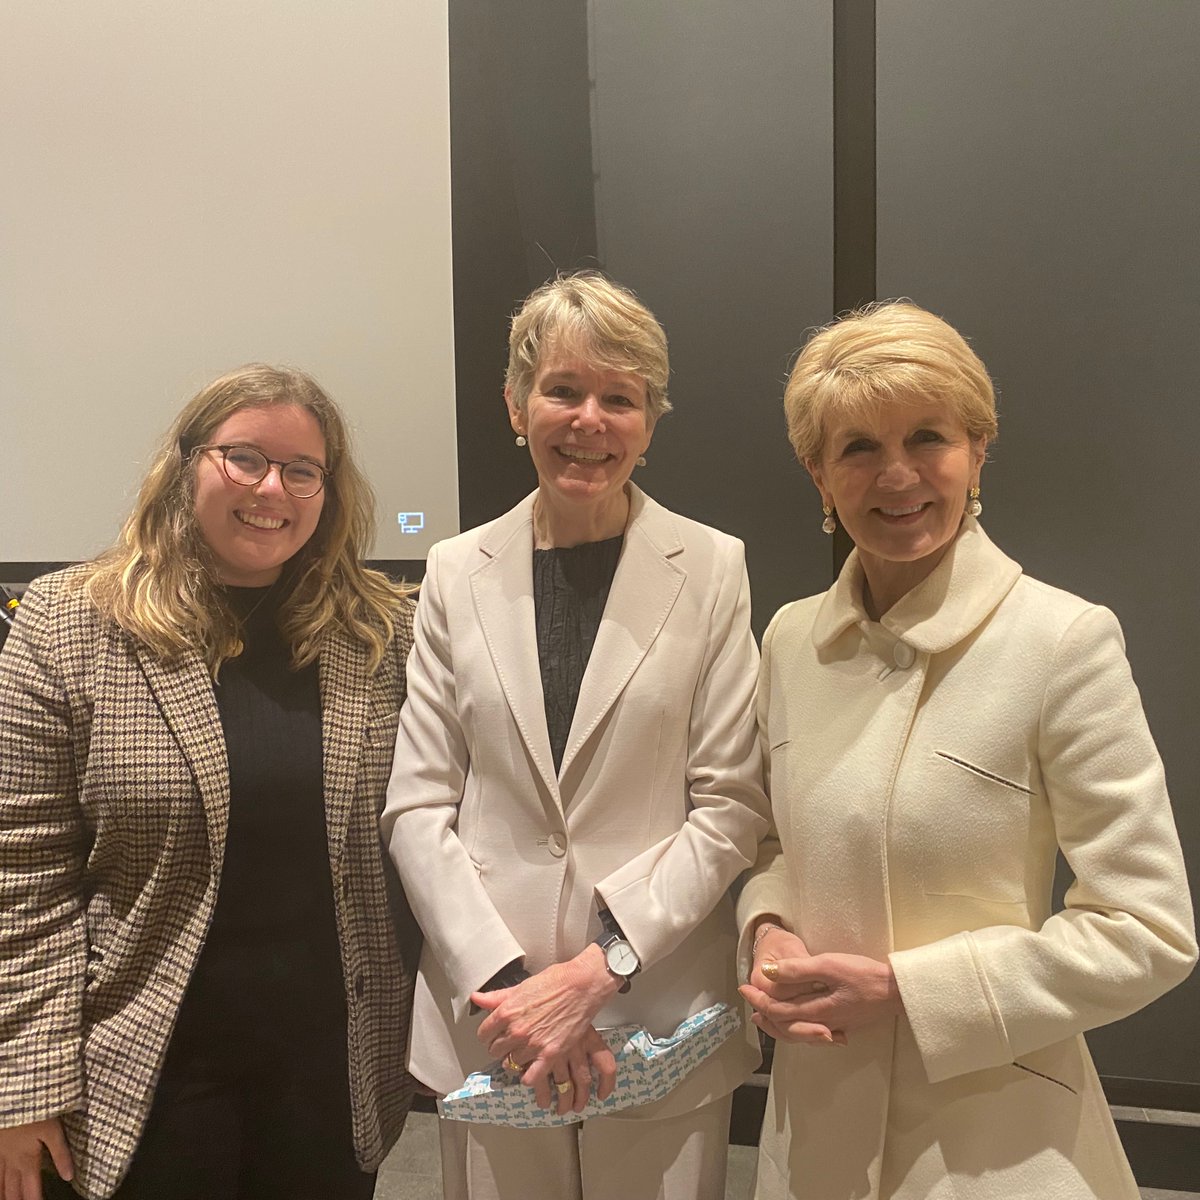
(923, 772)
(657, 809)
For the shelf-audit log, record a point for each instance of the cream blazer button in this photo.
(904, 655)
(557, 843)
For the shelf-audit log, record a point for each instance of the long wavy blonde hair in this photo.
(159, 582)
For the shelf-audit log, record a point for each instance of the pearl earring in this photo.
(640, 460)
(830, 523)
(521, 440)
(974, 508)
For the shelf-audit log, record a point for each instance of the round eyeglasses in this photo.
(247, 466)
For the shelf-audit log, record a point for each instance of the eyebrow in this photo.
(624, 383)
(923, 422)
(308, 458)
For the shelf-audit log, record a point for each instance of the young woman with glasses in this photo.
(204, 961)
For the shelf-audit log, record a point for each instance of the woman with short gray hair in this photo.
(577, 779)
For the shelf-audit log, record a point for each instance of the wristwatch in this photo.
(620, 958)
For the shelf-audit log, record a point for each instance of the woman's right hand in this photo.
(21, 1158)
(770, 997)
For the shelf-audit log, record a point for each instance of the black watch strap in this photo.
(508, 976)
(611, 932)
(609, 924)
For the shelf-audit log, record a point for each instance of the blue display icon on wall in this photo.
(411, 522)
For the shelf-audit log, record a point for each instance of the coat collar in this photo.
(941, 610)
(643, 592)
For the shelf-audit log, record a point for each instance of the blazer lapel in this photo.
(643, 593)
(183, 691)
(345, 715)
(502, 589)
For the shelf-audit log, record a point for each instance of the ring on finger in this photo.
(563, 1088)
(511, 1064)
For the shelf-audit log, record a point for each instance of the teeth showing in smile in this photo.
(257, 522)
(901, 512)
(592, 456)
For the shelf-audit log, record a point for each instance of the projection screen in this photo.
(188, 187)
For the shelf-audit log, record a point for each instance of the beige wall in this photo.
(186, 187)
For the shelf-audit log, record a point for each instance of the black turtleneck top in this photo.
(268, 984)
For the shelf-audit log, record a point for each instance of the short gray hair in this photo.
(603, 320)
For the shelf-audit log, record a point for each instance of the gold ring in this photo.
(563, 1088)
(511, 1064)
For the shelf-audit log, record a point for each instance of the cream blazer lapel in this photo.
(501, 588)
(644, 590)
(183, 691)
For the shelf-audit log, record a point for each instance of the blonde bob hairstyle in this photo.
(888, 353)
(159, 582)
(603, 322)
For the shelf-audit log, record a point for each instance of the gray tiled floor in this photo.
(411, 1171)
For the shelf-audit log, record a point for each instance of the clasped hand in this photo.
(545, 1024)
(817, 998)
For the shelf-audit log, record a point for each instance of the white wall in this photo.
(187, 187)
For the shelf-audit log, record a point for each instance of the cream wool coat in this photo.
(657, 809)
(923, 771)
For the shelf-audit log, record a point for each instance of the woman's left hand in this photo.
(588, 1066)
(843, 992)
(545, 1022)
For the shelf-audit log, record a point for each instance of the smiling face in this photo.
(586, 427)
(898, 479)
(252, 531)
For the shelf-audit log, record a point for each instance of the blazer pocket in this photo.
(983, 773)
(1042, 1075)
(980, 831)
(378, 749)
(381, 731)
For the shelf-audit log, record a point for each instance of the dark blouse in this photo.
(268, 987)
(570, 589)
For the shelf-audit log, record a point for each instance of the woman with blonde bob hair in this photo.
(939, 726)
(206, 964)
(577, 782)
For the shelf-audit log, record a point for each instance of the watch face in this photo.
(622, 958)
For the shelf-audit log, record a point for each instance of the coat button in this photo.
(904, 655)
(557, 843)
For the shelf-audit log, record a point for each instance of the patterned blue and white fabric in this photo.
(647, 1069)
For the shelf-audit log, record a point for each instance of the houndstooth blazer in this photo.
(114, 804)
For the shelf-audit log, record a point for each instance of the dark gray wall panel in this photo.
(712, 145)
(1039, 185)
(520, 165)
(686, 148)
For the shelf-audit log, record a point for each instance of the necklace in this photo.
(243, 619)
